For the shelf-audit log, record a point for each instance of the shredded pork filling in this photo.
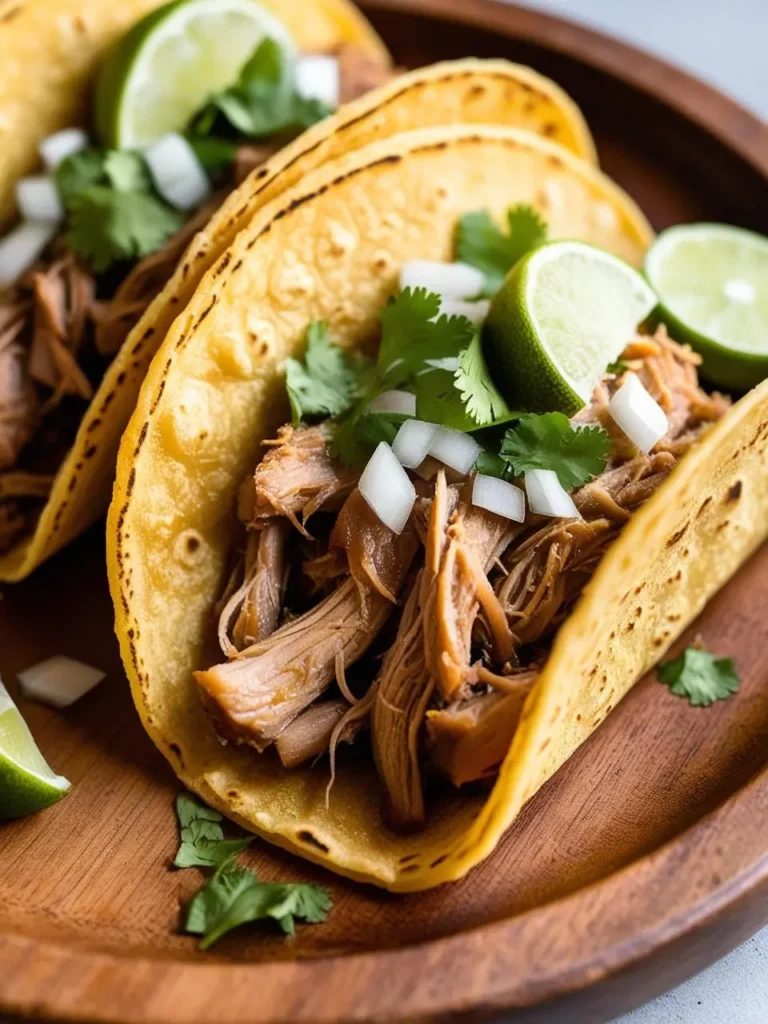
(58, 333)
(483, 597)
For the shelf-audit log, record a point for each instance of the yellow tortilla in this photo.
(331, 248)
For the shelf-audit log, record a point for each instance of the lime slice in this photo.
(27, 784)
(712, 281)
(563, 314)
(166, 67)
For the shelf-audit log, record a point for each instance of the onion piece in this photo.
(413, 441)
(22, 247)
(638, 413)
(455, 449)
(401, 402)
(176, 172)
(318, 77)
(38, 199)
(499, 496)
(387, 488)
(547, 496)
(62, 144)
(448, 280)
(59, 681)
(477, 312)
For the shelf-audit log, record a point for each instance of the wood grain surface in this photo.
(642, 861)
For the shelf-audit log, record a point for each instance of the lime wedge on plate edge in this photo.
(166, 67)
(564, 312)
(712, 281)
(27, 784)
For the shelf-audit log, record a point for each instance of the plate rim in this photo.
(480, 969)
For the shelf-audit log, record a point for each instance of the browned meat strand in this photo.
(18, 400)
(258, 601)
(296, 478)
(617, 491)
(405, 685)
(310, 734)
(469, 739)
(260, 691)
(475, 539)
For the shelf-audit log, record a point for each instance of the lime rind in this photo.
(165, 68)
(712, 281)
(27, 783)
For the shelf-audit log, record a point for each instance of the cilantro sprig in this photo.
(113, 213)
(700, 676)
(550, 441)
(263, 102)
(235, 896)
(482, 244)
(327, 381)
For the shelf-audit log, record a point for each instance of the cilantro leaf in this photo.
(482, 400)
(215, 154)
(413, 333)
(618, 367)
(494, 465)
(549, 441)
(263, 102)
(327, 382)
(233, 898)
(482, 244)
(112, 210)
(700, 676)
(438, 400)
(107, 226)
(202, 838)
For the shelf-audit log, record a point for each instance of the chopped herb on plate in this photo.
(700, 676)
(482, 244)
(202, 838)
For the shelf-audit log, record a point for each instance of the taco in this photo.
(277, 599)
(46, 500)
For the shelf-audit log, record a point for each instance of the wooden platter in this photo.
(643, 861)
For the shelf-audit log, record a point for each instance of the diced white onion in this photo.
(455, 449)
(387, 488)
(318, 78)
(499, 496)
(62, 144)
(638, 414)
(59, 681)
(38, 199)
(22, 246)
(176, 172)
(402, 402)
(449, 280)
(477, 312)
(547, 496)
(413, 441)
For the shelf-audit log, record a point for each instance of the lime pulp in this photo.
(172, 61)
(27, 784)
(712, 282)
(564, 312)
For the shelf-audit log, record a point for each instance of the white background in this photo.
(726, 43)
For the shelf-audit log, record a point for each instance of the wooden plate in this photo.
(644, 860)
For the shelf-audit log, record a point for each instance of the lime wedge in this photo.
(171, 61)
(27, 784)
(564, 312)
(712, 280)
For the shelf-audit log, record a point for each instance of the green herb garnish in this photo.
(235, 896)
(480, 396)
(328, 380)
(202, 839)
(113, 213)
(263, 102)
(550, 441)
(700, 676)
(482, 244)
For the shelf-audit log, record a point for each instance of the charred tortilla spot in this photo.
(578, 718)
(107, 402)
(409, 857)
(224, 262)
(408, 868)
(677, 536)
(120, 379)
(233, 794)
(131, 483)
(90, 452)
(142, 439)
(237, 266)
(94, 425)
(175, 749)
(545, 744)
(158, 396)
(309, 839)
(72, 484)
(439, 860)
(550, 129)
(703, 506)
(734, 492)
